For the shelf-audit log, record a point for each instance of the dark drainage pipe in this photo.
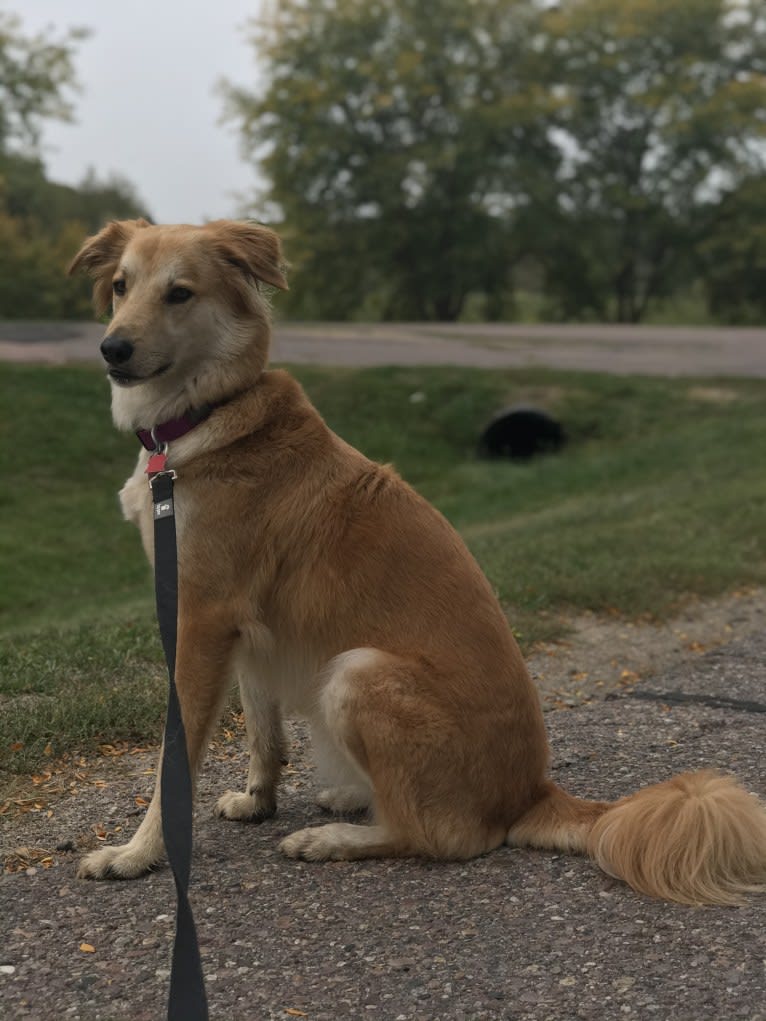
(519, 433)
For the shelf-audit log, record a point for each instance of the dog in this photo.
(332, 590)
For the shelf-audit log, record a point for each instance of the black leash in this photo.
(187, 1000)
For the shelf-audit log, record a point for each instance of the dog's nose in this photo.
(116, 349)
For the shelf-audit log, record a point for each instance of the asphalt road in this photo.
(515, 935)
(651, 350)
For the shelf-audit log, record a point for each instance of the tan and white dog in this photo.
(332, 590)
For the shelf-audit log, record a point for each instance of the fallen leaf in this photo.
(22, 857)
(696, 647)
(87, 948)
(629, 677)
(295, 1013)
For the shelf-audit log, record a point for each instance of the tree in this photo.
(660, 107)
(400, 140)
(42, 223)
(733, 254)
(416, 152)
(36, 73)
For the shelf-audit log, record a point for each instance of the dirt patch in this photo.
(714, 394)
(602, 654)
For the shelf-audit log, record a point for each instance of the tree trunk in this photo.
(447, 307)
(625, 288)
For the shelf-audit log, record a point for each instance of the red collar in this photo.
(166, 432)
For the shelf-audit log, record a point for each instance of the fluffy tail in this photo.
(699, 838)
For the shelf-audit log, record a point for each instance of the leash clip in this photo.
(158, 459)
(157, 462)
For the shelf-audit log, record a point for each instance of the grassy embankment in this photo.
(659, 494)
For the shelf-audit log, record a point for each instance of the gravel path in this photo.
(651, 350)
(517, 935)
(607, 654)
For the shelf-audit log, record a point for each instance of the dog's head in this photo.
(190, 322)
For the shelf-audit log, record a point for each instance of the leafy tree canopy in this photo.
(41, 222)
(418, 151)
(733, 254)
(36, 77)
(41, 225)
(398, 137)
(662, 104)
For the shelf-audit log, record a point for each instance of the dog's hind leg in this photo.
(345, 788)
(266, 742)
(382, 714)
(342, 841)
(203, 664)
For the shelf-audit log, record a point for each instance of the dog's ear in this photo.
(100, 256)
(253, 249)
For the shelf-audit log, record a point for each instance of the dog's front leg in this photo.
(266, 742)
(203, 657)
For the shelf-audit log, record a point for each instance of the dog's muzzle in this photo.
(116, 349)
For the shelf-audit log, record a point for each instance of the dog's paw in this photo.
(245, 807)
(343, 800)
(308, 845)
(124, 862)
(343, 841)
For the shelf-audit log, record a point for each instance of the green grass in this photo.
(71, 686)
(659, 494)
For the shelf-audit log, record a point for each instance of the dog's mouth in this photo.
(122, 378)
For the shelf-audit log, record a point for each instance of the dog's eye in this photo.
(178, 295)
(118, 286)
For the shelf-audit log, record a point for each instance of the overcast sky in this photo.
(148, 109)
